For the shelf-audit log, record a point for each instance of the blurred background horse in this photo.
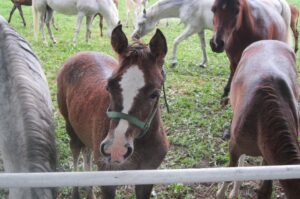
(43, 11)
(196, 16)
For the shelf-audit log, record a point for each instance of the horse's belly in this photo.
(67, 7)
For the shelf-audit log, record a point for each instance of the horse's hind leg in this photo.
(22, 16)
(236, 185)
(78, 25)
(203, 47)
(48, 20)
(265, 188)
(143, 191)
(42, 23)
(234, 157)
(75, 145)
(87, 159)
(53, 23)
(187, 32)
(88, 27)
(11, 13)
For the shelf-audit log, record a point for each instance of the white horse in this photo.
(136, 6)
(43, 9)
(27, 136)
(195, 14)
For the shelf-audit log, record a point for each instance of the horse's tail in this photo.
(35, 15)
(286, 15)
(278, 122)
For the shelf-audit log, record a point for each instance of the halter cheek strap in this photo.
(144, 126)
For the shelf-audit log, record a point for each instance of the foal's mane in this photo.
(134, 53)
(29, 87)
(279, 119)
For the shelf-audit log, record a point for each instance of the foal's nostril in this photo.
(129, 151)
(102, 150)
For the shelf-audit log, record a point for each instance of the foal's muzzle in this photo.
(105, 145)
(216, 45)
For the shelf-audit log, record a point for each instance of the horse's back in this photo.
(280, 63)
(82, 95)
(269, 22)
(264, 64)
(27, 138)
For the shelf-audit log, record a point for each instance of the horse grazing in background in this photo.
(265, 112)
(101, 18)
(238, 23)
(43, 9)
(196, 16)
(18, 4)
(112, 109)
(135, 6)
(294, 24)
(27, 137)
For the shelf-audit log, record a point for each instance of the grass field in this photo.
(196, 121)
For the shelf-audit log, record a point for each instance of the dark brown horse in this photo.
(238, 23)
(112, 109)
(18, 4)
(265, 111)
(294, 24)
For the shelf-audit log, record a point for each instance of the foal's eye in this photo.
(155, 94)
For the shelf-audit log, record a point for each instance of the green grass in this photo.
(196, 121)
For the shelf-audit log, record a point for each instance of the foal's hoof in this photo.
(226, 134)
(224, 101)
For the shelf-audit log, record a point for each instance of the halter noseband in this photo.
(144, 126)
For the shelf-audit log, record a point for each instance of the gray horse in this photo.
(27, 139)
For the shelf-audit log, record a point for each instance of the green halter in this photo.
(144, 126)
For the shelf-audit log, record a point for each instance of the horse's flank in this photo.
(27, 140)
(266, 119)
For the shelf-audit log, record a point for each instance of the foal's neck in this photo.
(165, 9)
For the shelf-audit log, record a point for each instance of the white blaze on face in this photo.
(132, 81)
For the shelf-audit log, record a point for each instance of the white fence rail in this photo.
(168, 176)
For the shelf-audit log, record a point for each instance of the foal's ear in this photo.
(158, 45)
(119, 40)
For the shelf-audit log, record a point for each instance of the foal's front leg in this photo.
(108, 192)
(143, 191)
